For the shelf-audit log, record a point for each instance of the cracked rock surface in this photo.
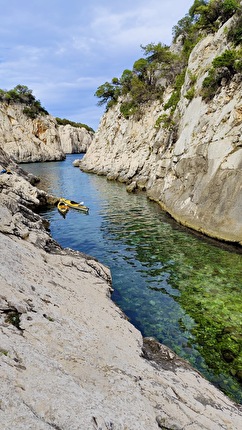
(69, 359)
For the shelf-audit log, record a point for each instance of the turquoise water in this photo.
(172, 284)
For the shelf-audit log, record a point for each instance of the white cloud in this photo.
(144, 23)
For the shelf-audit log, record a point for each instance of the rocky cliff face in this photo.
(74, 139)
(194, 173)
(28, 139)
(68, 357)
(40, 139)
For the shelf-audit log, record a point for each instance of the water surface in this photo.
(172, 284)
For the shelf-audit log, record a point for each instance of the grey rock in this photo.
(39, 139)
(74, 140)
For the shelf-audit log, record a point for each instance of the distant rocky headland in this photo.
(41, 138)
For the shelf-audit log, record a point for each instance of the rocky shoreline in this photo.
(69, 359)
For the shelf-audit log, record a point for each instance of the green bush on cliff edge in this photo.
(23, 95)
(161, 67)
(225, 66)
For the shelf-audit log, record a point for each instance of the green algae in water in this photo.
(210, 292)
(205, 280)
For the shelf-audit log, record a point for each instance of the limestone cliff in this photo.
(74, 139)
(195, 172)
(28, 139)
(39, 139)
(68, 357)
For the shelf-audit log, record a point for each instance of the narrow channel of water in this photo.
(172, 284)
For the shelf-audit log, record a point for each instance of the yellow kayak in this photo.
(74, 205)
(62, 207)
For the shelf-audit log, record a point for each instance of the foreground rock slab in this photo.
(69, 359)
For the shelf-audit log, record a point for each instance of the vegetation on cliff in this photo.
(225, 66)
(65, 121)
(23, 95)
(161, 67)
(204, 17)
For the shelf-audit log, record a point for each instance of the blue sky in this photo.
(63, 50)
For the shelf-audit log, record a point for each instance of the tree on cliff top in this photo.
(23, 95)
(160, 66)
(205, 16)
(143, 82)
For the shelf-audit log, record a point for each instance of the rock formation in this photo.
(39, 139)
(193, 172)
(69, 359)
(74, 139)
(28, 139)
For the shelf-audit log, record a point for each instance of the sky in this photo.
(64, 50)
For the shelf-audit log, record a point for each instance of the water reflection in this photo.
(180, 288)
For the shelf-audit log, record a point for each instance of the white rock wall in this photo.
(26, 139)
(40, 139)
(74, 139)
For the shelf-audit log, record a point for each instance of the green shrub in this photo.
(126, 81)
(227, 59)
(223, 66)
(190, 93)
(182, 28)
(235, 32)
(34, 110)
(165, 121)
(128, 109)
(209, 15)
(192, 77)
(229, 8)
(65, 121)
(30, 112)
(108, 92)
(238, 62)
(175, 97)
(23, 95)
(210, 85)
